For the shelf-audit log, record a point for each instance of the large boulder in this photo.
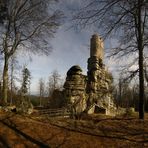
(24, 106)
(74, 70)
(74, 90)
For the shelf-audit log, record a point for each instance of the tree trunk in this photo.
(141, 86)
(5, 81)
(40, 101)
(141, 72)
(12, 70)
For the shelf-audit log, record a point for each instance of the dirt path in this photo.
(18, 131)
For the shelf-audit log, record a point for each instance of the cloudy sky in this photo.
(70, 47)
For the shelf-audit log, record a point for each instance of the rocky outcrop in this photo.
(75, 80)
(87, 93)
(99, 79)
(75, 90)
(24, 105)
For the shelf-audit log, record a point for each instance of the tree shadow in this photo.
(25, 135)
(122, 132)
(112, 129)
(11, 125)
(3, 142)
(42, 142)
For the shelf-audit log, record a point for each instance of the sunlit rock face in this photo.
(24, 106)
(75, 86)
(75, 80)
(91, 93)
(99, 79)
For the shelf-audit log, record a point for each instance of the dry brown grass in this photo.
(94, 132)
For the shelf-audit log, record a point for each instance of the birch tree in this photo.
(41, 89)
(54, 82)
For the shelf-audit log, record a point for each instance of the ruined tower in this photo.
(96, 47)
(99, 80)
(95, 62)
(96, 53)
(90, 93)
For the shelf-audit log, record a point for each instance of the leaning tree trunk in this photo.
(5, 81)
(141, 71)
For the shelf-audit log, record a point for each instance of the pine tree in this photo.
(26, 81)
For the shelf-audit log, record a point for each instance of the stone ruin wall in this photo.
(85, 93)
(99, 81)
(96, 47)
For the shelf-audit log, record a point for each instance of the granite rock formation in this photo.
(99, 79)
(75, 86)
(91, 93)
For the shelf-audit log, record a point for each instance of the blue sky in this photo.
(70, 47)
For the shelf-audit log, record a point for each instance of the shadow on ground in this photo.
(24, 131)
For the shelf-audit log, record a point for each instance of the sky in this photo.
(70, 47)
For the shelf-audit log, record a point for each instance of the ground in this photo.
(98, 131)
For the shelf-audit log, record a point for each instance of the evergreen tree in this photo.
(26, 81)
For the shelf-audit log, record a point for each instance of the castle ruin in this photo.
(91, 93)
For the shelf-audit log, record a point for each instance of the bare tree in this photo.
(41, 89)
(12, 78)
(127, 21)
(14, 67)
(28, 25)
(54, 82)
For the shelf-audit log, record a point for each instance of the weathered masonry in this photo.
(91, 93)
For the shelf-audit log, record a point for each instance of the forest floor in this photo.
(97, 131)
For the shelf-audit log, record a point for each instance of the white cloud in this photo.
(69, 48)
